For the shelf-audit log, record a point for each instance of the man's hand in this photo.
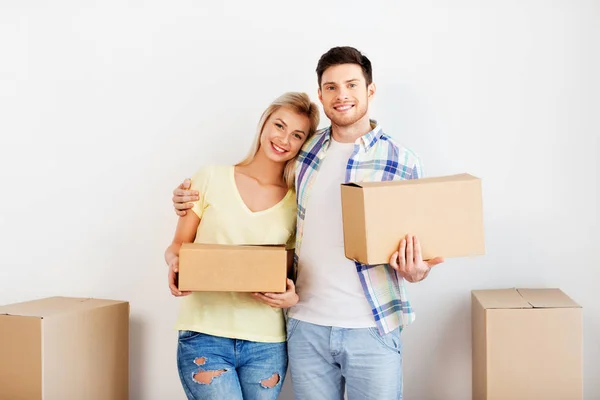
(173, 270)
(280, 300)
(182, 196)
(409, 262)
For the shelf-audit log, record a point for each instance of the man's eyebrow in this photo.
(348, 81)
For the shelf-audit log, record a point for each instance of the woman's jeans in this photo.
(212, 367)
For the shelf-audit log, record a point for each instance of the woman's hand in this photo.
(173, 270)
(280, 300)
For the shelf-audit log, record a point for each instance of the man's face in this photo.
(344, 94)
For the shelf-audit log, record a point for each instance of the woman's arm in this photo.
(184, 233)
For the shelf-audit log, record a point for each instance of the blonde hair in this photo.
(298, 102)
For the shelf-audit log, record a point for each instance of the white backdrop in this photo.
(106, 105)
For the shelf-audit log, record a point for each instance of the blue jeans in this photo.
(212, 367)
(324, 360)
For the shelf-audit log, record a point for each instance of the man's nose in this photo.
(342, 94)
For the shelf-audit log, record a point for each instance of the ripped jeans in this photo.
(213, 367)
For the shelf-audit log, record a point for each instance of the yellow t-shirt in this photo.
(225, 219)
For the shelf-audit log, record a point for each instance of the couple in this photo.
(344, 319)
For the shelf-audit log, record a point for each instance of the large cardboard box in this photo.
(63, 348)
(218, 268)
(527, 344)
(445, 213)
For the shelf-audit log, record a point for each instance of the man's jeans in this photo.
(324, 359)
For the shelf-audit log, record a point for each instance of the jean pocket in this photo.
(187, 335)
(291, 327)
(391, 341)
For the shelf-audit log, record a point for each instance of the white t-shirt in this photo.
(328, 285)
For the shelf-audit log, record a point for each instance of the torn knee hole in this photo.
(200, 361)
(271, 382)
(206, 377)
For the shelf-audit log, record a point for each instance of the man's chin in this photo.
(345, 121)
(342, 122)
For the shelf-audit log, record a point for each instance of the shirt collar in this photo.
(366, 141)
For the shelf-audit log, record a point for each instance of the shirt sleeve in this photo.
(201, 183)
(417, 169)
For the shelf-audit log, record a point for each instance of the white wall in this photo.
(106, 106)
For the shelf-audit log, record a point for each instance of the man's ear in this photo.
(371, 90)
(320, 95)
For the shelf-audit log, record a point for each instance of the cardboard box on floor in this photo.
(218, 268)
(445, 213)
(527, 344)
(63, 348)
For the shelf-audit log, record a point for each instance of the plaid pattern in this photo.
(376, 157)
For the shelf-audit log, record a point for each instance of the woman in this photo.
(232, 345)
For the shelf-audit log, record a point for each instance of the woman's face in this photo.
(284, 134)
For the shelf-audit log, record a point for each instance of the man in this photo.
(344, 333)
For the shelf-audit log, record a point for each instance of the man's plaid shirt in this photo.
(376, 157)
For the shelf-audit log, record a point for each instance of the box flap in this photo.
(353, 184)
(420, 181)
(524, 298)
(354, 222)
(547, 298)
(249, 247)
(48, 307)
(501, 298)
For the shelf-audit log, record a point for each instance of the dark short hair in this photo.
(344, 55)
